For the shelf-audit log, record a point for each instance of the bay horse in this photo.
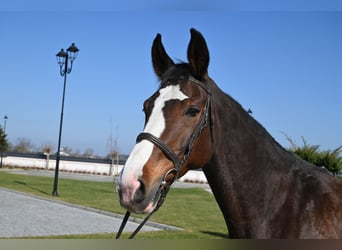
(263, 190)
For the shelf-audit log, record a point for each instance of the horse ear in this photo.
(198, 55)
(160, 59)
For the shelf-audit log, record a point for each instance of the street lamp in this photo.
(3, 148)
(63, 59)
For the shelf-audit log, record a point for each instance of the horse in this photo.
(263, 190)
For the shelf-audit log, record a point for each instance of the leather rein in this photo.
(172, 156)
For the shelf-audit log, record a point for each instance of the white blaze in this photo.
(155, 126)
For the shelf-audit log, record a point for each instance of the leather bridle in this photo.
(173, 157)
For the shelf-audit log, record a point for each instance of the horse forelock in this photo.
(175, 74)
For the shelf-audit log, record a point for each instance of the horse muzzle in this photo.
(135, 197)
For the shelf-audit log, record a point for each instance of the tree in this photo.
(3, 141)
(66, 151)
(114, 155)
(47, 150)
(3, 145)
(23, 145)
(89, 153)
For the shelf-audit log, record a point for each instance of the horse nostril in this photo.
(140, 193)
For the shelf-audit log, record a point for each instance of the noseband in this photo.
(173, 157)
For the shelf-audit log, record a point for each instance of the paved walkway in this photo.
(25, 215)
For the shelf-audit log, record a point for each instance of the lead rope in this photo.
(165, 189)
(123, 224)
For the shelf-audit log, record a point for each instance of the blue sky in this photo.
(284, 65)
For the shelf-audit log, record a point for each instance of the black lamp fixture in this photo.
(63, 58)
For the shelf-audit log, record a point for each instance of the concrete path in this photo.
(24, 215)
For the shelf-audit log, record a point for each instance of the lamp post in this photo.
(3, 148)
(63, 59)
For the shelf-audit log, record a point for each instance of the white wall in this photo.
(85, 167)
(67, 166)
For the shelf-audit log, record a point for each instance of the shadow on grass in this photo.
(30, 187)
(216, 234)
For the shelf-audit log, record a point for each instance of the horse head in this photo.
(177, 135)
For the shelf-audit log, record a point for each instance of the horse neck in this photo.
(243, 167)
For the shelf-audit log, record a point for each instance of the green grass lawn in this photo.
(194, 210)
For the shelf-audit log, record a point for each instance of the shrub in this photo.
(330, 159)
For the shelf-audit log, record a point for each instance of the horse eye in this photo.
(192, 111)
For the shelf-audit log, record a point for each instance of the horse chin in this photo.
(150, 207)
(155, 194)
(139, 208)
(145, 206)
